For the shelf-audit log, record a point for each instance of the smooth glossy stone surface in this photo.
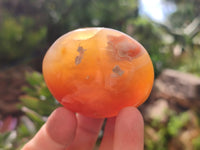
(98, 71)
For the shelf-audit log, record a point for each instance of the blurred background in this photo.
(168, 29)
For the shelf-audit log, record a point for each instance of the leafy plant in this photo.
(196, 143)
(37, 104)
(163, 133)
(18, 38)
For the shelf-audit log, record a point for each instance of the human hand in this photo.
(66, 131)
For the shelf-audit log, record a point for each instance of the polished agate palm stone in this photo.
(98, 71)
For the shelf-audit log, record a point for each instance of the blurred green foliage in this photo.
(32, 26)
(37, 103)
(196, 143)
(190, 63)
(165, 132)
(18, 38)
(28, 28)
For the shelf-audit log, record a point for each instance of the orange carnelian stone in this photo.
(98, 71)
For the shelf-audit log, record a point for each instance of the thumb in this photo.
(57, 133)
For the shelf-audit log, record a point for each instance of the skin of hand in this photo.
(65, 130)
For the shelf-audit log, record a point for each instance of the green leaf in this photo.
(35, 117)
(196, 143)
(176, 123)
(29, 91)
(34, 79)
(42, 107)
